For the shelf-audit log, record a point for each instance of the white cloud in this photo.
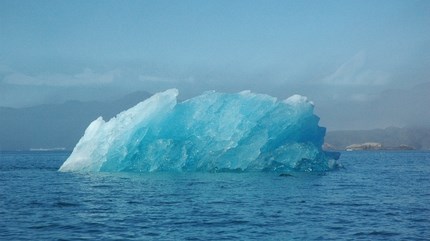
(153, 78)
(86, 77)
(160, 79)
(361, 97)
(355, 72)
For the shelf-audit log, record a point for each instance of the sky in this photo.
(365, 64)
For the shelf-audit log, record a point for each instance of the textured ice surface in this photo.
(210, 132)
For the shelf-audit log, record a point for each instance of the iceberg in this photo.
(213, 132)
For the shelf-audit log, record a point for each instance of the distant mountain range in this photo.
(60, 126)
(390, 138)
(56, 126)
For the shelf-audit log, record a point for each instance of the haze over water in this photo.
(364, 63)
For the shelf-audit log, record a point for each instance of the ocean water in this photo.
(377, 196)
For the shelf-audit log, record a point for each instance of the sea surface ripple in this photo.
(377, 196)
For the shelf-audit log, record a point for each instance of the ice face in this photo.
(210, 132)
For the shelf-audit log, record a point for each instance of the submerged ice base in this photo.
(210, 132)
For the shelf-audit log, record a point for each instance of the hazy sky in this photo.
(365, 64)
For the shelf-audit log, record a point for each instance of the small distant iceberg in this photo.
(375, 146)
(49, 149)
(364, 146)
(212, 132)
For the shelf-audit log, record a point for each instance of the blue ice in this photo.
(212, 132)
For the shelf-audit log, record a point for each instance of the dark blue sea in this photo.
(377, 196)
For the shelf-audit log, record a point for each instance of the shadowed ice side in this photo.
(211, 132)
